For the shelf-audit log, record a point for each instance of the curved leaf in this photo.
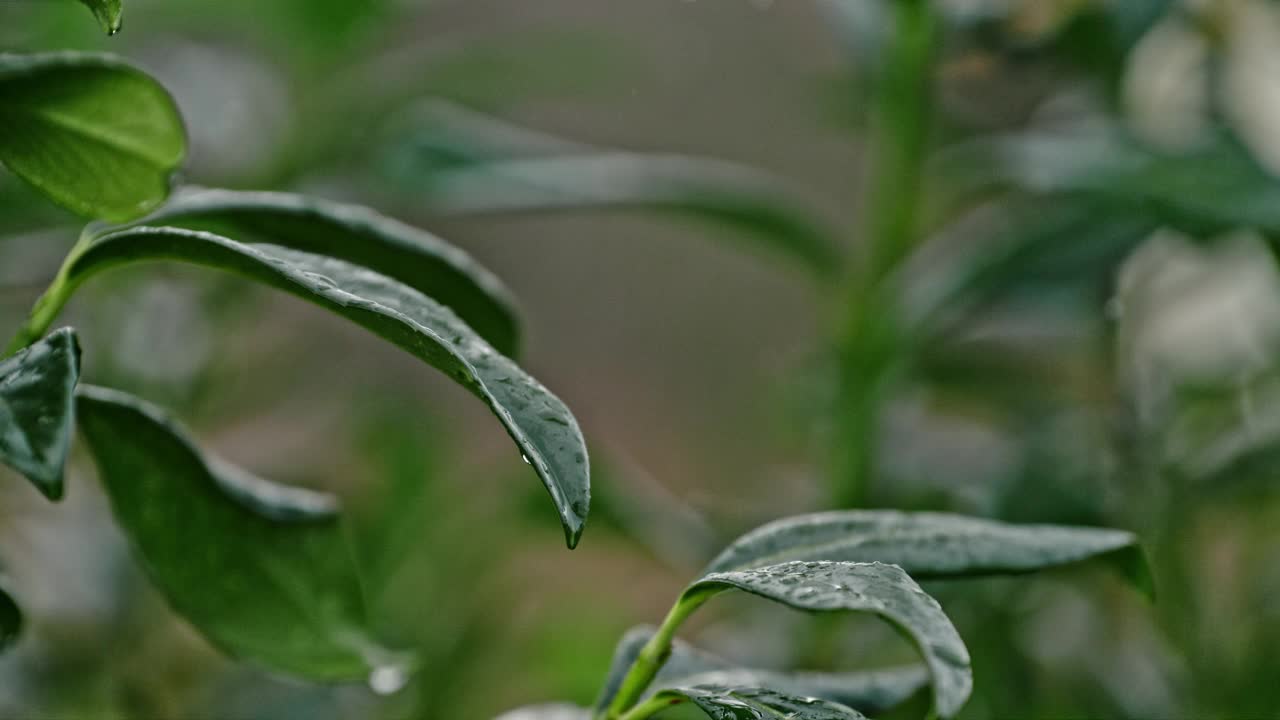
(552, 711)
(932, 545)
(108, 12)
(96, 135)
(871, 692)
(541, 426)
(37, 409)
(723, 702)
(883, 590)
(469, 164)
(10, 620)
(359, 236)
(283, 595)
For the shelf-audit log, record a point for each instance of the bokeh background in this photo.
(1123, 383)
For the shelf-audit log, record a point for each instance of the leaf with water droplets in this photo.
(932, 545)
(883, 590)
(108, 12)
(871, 692)
(10, 620)
(279, 592)
(493, 168)
(37, 409)
(551, 711)
(96, 135)
(722, 702)
(359, 236)
(542, 427)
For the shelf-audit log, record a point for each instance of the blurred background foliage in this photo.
(1094, 307)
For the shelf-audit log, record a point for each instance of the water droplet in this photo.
(388, 679)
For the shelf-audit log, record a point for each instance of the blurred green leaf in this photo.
(94, 134)
(541, 426)
(37, 409)
(359, 236)
(724, 702)
(552, 711)
(931, 545)
(467, 164)
(108, 13)
(10, 620)
(883, 590)
(871, 692)
(278, 591)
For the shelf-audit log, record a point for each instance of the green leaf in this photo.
(277, 589)
(108, 13)
(552, 711)
(870, 692)
(543, 429)
(883, 590)
(489, 168)
(722, 702)
(10, 620)
(97, 136)
(37, 409)
(359, 236)
(932, 545)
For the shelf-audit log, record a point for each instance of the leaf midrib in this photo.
(87, 132)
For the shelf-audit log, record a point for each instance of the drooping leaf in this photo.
(359, 236)
(725, 702)
(870, 692)
(37, 409)
(544, 430)
(883, 590)
(931, 545)
(108, 12)
(10, 620)
(279, 590)
(552, 711)
(495, 170)
(94, 134)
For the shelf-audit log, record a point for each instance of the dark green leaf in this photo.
(492, 169)
(870, 692)
(10, 620)
(931, 545)
(96, 135)
(553, 711)
(541, 426)
(108, 13)
(722, 702)
(883, 590)
(359, 236)
(37, 409)
(281, 592)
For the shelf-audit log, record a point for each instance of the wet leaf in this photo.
(37, 409)
(279, 591)
(871, 692)
(883, 590)
(722, 702)
(96, 135)
(932, 545)
(359, 236)
(108, 12)
(543, 429)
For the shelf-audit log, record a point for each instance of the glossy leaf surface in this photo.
(96, 135)
(883, 590)
(362, 237)
(931, 545)
(724, 702)
(37, 409)
(869, 692)
(543, 429)
(279, 592)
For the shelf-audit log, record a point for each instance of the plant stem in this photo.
(652, 656)
(899, 130)
(49, 304)
(651, 707)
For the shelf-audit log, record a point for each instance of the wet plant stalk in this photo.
(899, 130)
(651, 659)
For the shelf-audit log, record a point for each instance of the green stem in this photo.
(898, 135)
(651, 658)
(49, 304)
(651, 707)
